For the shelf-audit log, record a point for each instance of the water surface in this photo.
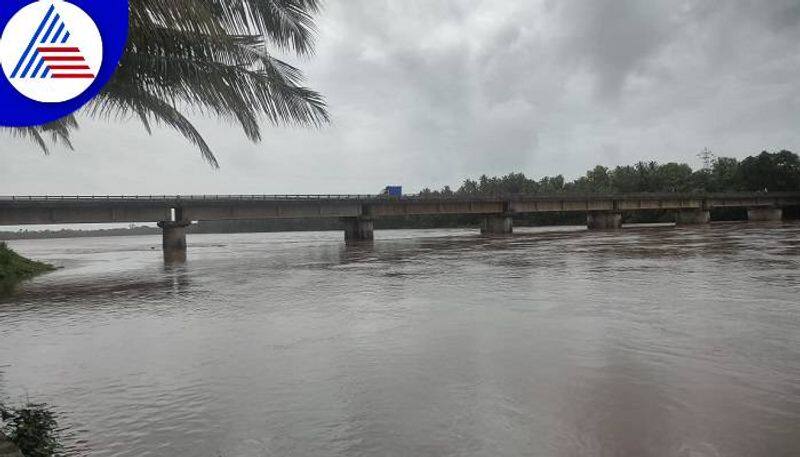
(557, 342)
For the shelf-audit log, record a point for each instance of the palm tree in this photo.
(208, 56)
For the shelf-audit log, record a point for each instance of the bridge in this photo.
(174, 213)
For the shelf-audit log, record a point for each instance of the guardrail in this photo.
(306, 197)
(24, 198)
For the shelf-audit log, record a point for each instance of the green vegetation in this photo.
(132, 230)
(33, 428)
(15, 268)
(766, 172)
(209, 57)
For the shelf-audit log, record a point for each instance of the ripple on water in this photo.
(561, 342)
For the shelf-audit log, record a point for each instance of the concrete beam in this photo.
(358, 229)
(20, 214)
(174, 240)
(560, 205)
(692, 217)
(421, 207)
(668, 202)
(497, 224)
(764, 214)
(604, 221)
(249, 210)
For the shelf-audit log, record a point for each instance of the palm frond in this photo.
(211, 57)
(120, 100)
(58, 132)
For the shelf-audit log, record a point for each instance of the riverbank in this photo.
(15, 268)
(8, 448)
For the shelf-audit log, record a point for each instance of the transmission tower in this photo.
(707, 157)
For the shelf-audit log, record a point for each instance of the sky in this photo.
(425, 93)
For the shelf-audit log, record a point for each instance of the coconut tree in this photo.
(207, 56)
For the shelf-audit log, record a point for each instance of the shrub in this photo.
(15, 268)
(33, 428)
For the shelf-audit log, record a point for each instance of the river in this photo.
(650, 341)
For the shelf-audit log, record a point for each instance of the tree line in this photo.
(765, 172)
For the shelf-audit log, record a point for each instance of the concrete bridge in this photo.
(174, 213)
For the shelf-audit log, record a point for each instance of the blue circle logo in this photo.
(56, 55)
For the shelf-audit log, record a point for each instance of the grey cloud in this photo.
(615, 37)
(426, 93)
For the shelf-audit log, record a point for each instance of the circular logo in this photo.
(56, 55)
(51, 51)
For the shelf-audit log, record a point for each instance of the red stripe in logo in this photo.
(57, 49)
(53, 55)
(63, 58)
(72, 75)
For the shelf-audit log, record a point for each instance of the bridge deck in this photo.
(45, 209)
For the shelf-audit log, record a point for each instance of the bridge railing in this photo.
(373, 197)
(243, 197)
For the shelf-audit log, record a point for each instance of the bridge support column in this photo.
(174, 240)
(358, 229)
(497, 224)
(692, 217)
(603, 221)
(765, 214)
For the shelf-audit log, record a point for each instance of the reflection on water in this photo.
(655, 341)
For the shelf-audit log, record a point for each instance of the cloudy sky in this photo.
(428, 92)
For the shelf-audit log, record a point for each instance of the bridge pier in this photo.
(765, 214)
(692, 217)
(497, 224)
(603, 221)
(174, 240)
(358, 229)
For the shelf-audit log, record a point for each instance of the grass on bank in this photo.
(15, 268)
(32, 428)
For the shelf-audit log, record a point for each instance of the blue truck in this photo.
(392, 191)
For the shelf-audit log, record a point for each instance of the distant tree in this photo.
(469, 187)
(724, 174)
(598, 180)
(700, 181)
(552, 184)
(770, 171)
(649, 180)
(673, 177)
(625, 180)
